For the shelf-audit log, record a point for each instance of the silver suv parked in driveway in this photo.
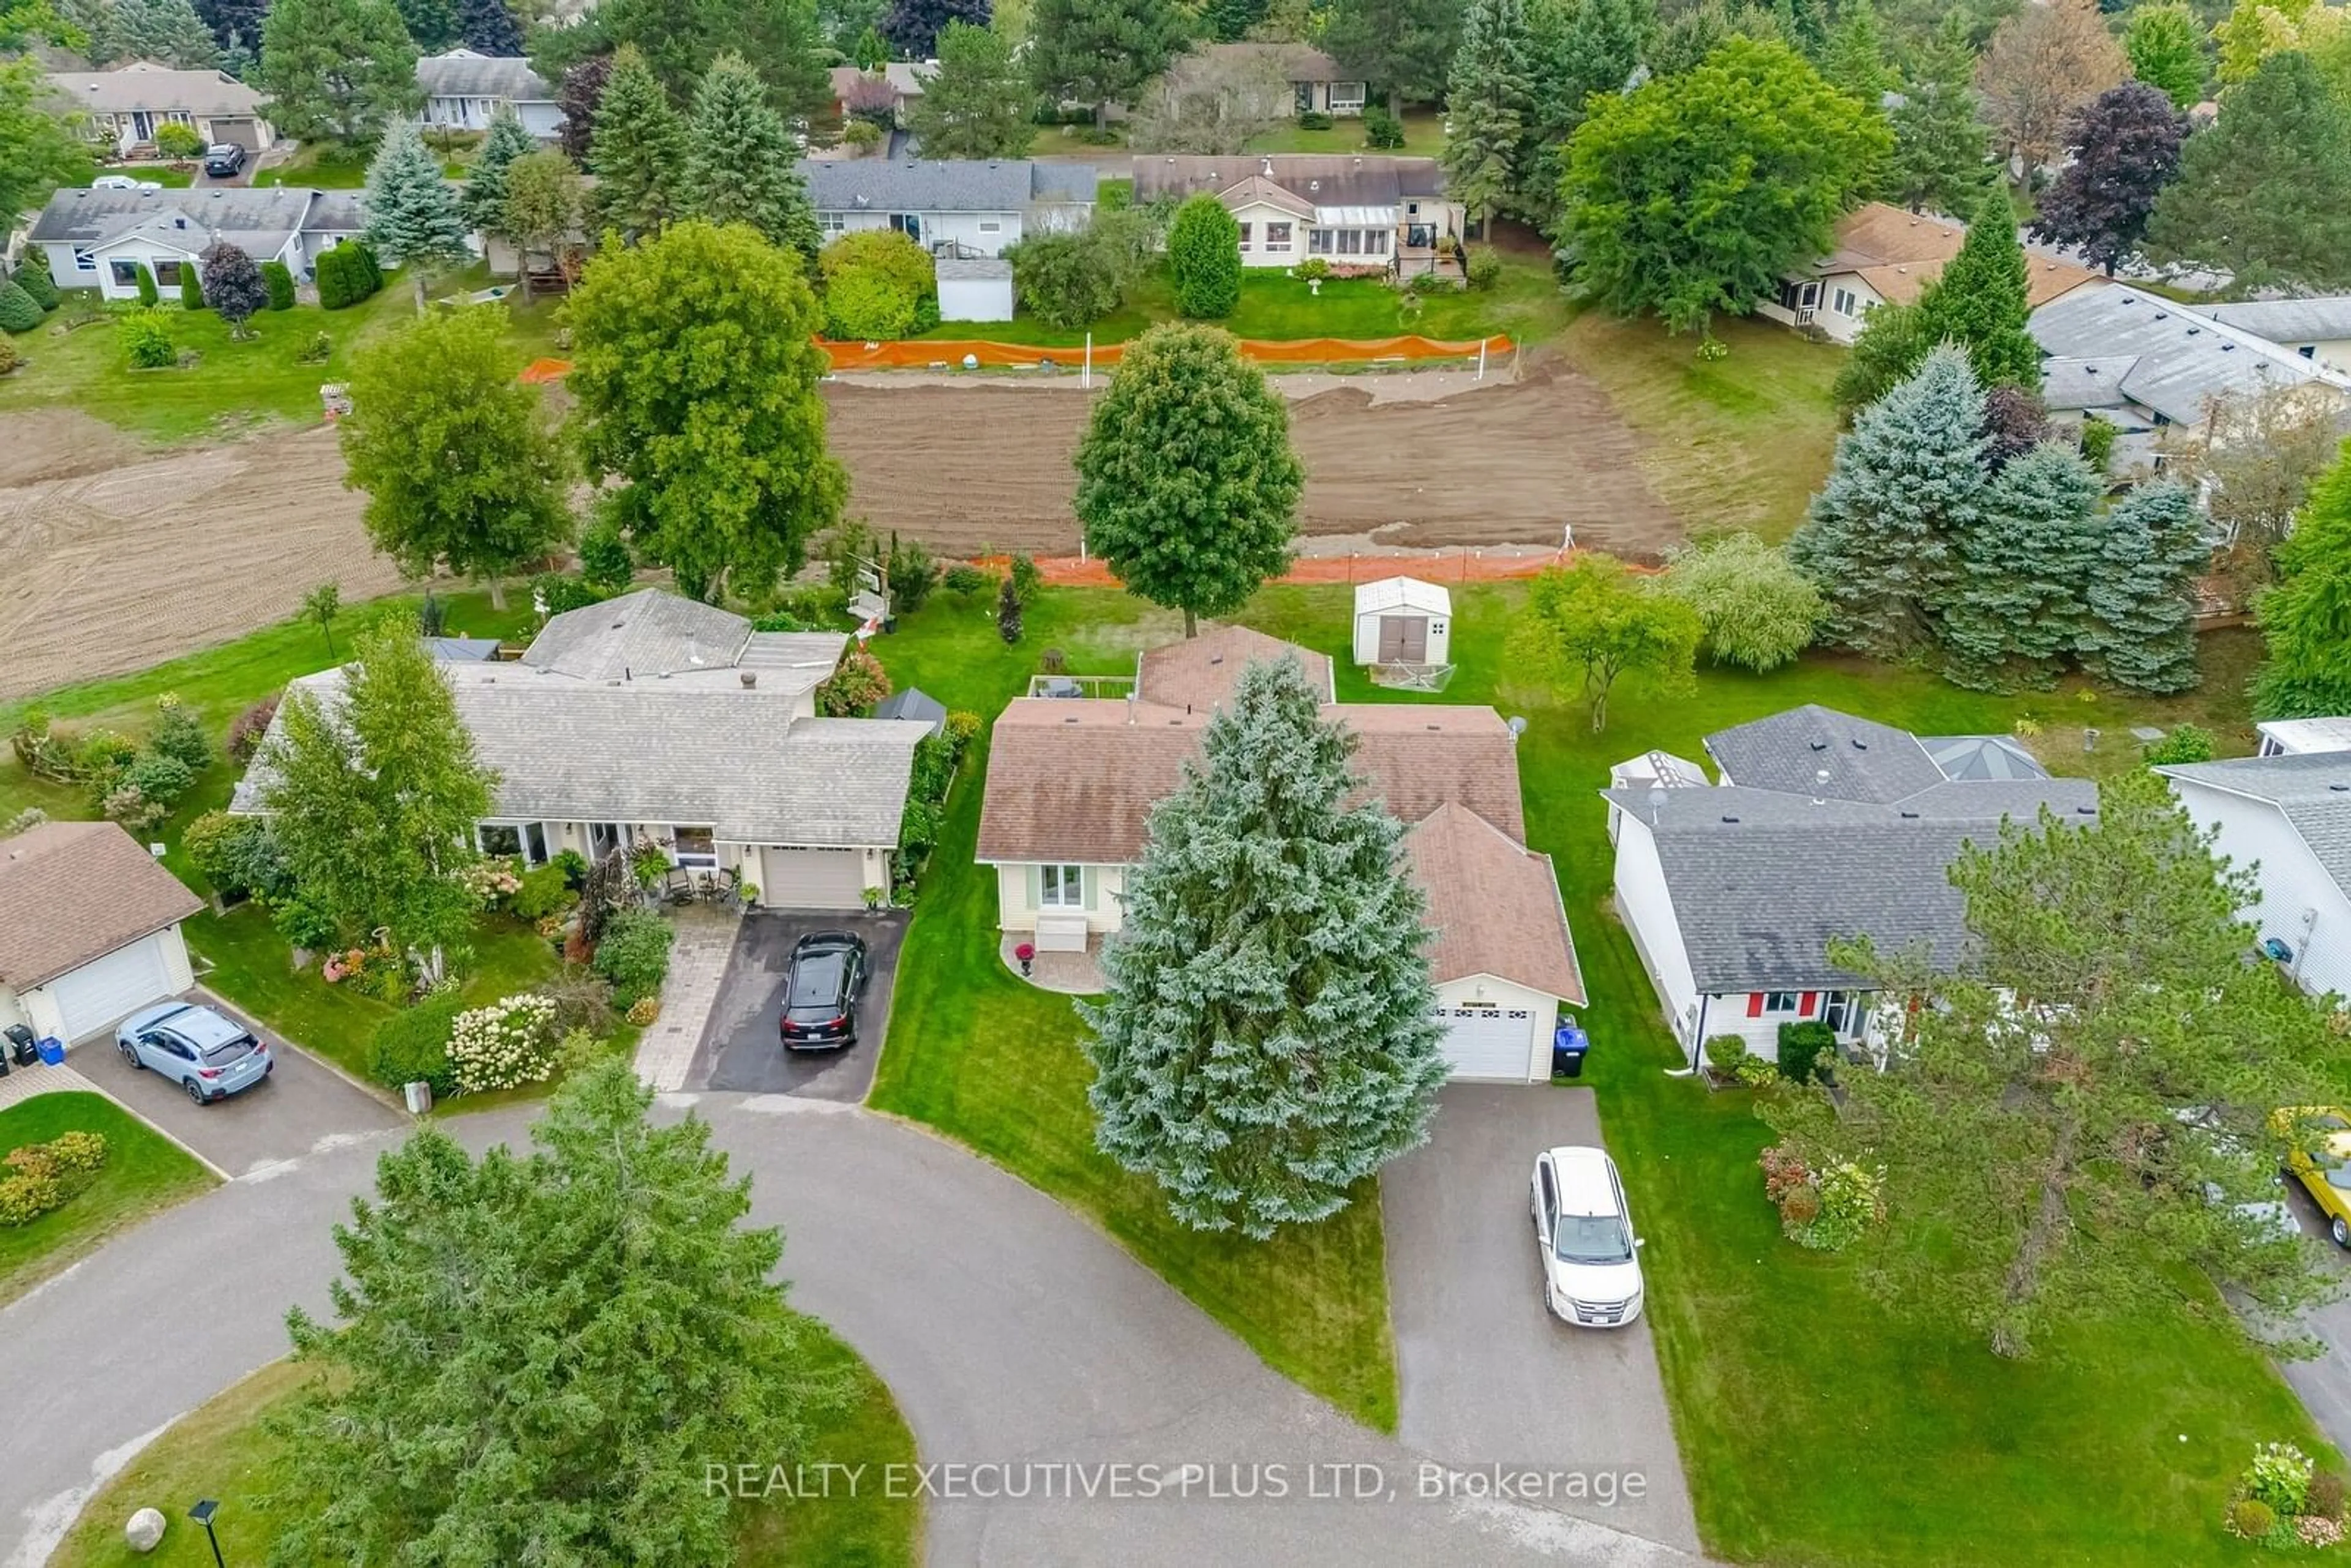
(208, 1056)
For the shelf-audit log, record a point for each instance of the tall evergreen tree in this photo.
(168, 31)
(638, 148)
(1979, 302)
(1605, 44)
(236, 24)
(1404, 48)
(1855, 61)
(2265, 194)
(466, 1420)
(483, 201)
(912, 26)
(1489, 102)
(2141, 633)
(978, 105)
(489, 27)
(1907, 483)
(742, 162)
(413, 217)
(1685, 41)
(679, 38)
(1803, 25)
(2305, 615)
(1942, 151)
(2165, 43)
(1101, 51)
(1267, 1040)
(2014, 614)
(431, 24)
(336, 70)
(2126, 149)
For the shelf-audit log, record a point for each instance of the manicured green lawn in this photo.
(221, 1451)
(1424, 137)
(233, 386)
(322, 169)
(1526, 303)
(993, 1061)
(1740, 442)
(163, 175)
(144, 1174)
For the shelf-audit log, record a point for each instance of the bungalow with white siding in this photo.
(2287, 818)
(1823, 827)
(652, 719)
(965, 208)
(1071, 781)
(1885, 255)
(464, 90)
(99, 238)
(1361, 212)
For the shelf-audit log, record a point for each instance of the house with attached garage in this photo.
(1823, 826)
(652, 719)
(90, 929)
(464, 90)
(965, 208)
(1071, 781)
(99, 238)
(1885, 255)
(123, 107)
(2286, 817)
(1361, 212)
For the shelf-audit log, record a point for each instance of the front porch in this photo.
(1076, 972)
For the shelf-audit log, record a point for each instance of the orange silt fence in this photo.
(953, 353)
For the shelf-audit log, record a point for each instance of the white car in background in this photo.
(1583, 1231)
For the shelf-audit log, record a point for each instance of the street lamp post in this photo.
(203, 1514)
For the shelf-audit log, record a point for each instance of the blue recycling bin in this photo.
(53, 1052)
(1569, 1045)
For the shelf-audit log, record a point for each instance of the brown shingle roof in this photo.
(1898, 253)
(71, 892)
(1493, 907)
(1201, 671)
(1075, 779)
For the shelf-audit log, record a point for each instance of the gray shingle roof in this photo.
(2093, 382)
(1063, 181)
(903, 185)
(650, 751)
(1762, 882)
(461, 73)
(2311, 790)
(2181, 360)
(1325, 179)
(913, 704)
(95, 218)
(142, 84)
(1981, 756)
(2289, 320)
(1864, 760)
(648, 632)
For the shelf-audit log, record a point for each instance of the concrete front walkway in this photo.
(698, 964)
(23, 1083)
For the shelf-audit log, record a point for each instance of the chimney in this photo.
(1266, 168)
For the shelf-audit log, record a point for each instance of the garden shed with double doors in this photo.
(1403, 620)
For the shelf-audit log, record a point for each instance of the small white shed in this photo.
(979, 289)
(1403, 620)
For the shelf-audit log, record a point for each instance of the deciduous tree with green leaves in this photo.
(1589, 624)
(2165, 43)
(457, 1419)
(742, 163)
(337, 71)
(38, 152)
(1905, 484)
(2305, 615)
(461, 469)
(545, 206)
(2141, 589)
(1186, 483)
(1267, 1040)
(978, 104)
(695, 376)
(639, 149)
(1100, 51)
(2265, 194)
(1755, 608)
(374, 791)
(1698, 193)
(2078, 1112)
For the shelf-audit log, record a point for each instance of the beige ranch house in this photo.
(90, 929)
(652, 719)
(1885, 255)
(1362, 213)
(1071, 781)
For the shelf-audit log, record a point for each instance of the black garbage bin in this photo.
(21, 1049)
(1568, 1046)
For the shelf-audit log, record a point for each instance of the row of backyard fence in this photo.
(962, 353)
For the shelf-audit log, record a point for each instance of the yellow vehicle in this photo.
(2325, 1172)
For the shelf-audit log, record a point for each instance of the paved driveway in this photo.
(2323, 1383)
(739, 1050)
(303, 1105)
(1488, 1376)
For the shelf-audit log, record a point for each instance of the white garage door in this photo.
(812, 878)
(104, 989)
(1489, 1042)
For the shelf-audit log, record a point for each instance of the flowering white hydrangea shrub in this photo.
(508, 1043)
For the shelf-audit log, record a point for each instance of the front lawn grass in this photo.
(1424, 137)
(145, 1173)
(223, 1449)
(1526, 303)
(231, 387)
(1743, 442)
(995, 1063)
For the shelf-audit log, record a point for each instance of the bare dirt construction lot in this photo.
(1422, 459)
(120, 557)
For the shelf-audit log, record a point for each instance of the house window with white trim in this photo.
(695, 846)
(831, 222)
(1375, 242)
(1277, 237)
(1844, 302)
(1351, 242)
(1776, 1002)
(83, 260)
(1318, 242)
(1346, 97)
(1062, 887)
(1246, 230)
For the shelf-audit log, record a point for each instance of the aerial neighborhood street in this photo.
(1083, 781)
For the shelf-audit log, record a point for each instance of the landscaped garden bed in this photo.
(98, 1172)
